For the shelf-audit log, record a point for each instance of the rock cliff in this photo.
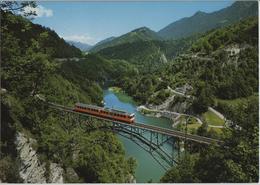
(31, 169)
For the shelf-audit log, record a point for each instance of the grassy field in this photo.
(219, 131)
(212, 119)
(145, 111)
(193, 126)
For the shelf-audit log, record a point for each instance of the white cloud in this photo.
(80, 38)
(39, 10)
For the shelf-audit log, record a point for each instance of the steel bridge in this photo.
(163, 144)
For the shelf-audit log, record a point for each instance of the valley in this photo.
(201, 81)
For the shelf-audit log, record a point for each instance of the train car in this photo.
(112, 114)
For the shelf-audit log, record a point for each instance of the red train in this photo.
(105, 112)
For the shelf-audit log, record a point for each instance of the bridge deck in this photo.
(152, 128)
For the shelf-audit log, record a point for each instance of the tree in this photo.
(202, 103)
(202, 130)
(234, 161)
(183, 172)
(17, 7)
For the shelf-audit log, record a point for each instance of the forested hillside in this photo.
(28, 71)
(216, 60)
(148, 56)
(51, 43)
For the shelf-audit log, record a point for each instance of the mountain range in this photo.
(140, 34)
(200, 22)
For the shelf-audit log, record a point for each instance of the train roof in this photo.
(105, 108)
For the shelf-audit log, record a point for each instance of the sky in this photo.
(91, 22)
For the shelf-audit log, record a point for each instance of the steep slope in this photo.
(140, 34)
(80, 45)
(223, 63)
(104, 41)
(29, 71)
(202, 22)
(148, 56)
(224, 60)
(52, 43)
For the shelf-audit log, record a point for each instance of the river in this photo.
(147, 167)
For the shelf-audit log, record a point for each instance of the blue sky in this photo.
(90, 22)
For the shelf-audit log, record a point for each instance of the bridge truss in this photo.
(165, 149)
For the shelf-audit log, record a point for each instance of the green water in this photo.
(148, 168)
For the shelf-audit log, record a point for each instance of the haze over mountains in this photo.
(200, 22)
(82, 46)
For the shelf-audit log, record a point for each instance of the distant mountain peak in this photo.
(80, 45)
(139, 34)
(200, 13)
(201, 22)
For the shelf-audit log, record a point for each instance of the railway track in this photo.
(165, 131)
